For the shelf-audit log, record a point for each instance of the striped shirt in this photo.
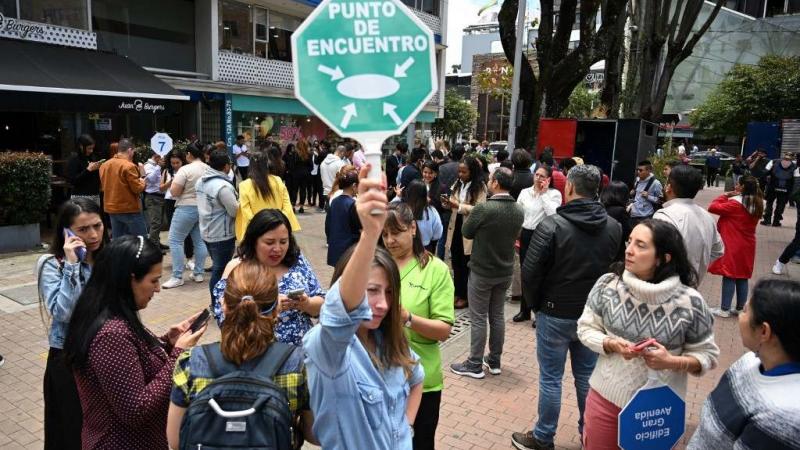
(750, 410)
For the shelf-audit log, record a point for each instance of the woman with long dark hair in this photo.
(122, 370)
(469, 190)
(251, 305)
(615, 198)
(639, 301)
(538, 202)
(80, 236)
(755, 404)
(365, 382)
(428, 222)
(82, 170)
(263, 190)
(269, 240)
(739, 212)
(426, 296)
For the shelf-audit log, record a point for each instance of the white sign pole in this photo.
(512, 120)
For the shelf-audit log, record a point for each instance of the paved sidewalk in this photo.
(475, 414)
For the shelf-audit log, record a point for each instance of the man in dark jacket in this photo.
(448, 172)
(568, 252)
(780, 184)
(394, 161)
(523, 178)
(413, 170)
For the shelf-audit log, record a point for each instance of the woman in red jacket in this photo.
(739, 212)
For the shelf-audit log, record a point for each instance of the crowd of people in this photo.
(596, 265)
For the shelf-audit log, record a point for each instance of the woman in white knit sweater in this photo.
(650, 295)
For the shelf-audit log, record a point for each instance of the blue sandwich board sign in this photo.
(654, 419)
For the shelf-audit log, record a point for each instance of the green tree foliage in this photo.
(765, 92)
(581, 102)
(459, 117)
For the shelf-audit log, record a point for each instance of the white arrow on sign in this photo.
(389, 110)
(400, 70)
(335, 74)
(349, 113)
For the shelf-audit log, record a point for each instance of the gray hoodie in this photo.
(217, 203)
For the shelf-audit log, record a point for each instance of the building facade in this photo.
(205, 69)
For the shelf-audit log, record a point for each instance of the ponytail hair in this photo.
(251, 299)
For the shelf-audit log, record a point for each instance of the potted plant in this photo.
(24, 198)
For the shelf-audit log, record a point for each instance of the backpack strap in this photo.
(649, 184)
(216, 362)
(269, 363)
(272, 360)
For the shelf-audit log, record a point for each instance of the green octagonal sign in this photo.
(365, 67)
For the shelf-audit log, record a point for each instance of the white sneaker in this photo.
(190, 265)
(777, 269)
(172, 283)
(197, 278)
(720, 312)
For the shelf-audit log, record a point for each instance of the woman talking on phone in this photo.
(650, 300)
(364, 380)
(79, 238)
(268, 240)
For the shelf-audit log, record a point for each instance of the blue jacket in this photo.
(342, 227)
(355, 405)
(60, 285)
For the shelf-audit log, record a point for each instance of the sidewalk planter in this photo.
(24, 198)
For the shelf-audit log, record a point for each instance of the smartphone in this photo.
(101, 161)
(643, 344)
(200, 321)
(80, 252)
(295, 293)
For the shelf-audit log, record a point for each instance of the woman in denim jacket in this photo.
(364, 380)
(62, 275)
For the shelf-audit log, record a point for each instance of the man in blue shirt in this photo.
(713, 164)
(646, 194)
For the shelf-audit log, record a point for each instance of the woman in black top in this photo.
(82, 170)
(615, 199)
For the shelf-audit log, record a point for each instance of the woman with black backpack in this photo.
(247, 364)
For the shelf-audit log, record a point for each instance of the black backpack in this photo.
(242, 408)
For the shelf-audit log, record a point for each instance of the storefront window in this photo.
(428, 6)
(164, 40)
(236, 28)
(281, 28)
(66, 13)
(8, 8)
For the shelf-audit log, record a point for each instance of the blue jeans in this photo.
(128, 224)
(554, 337)
(221, 252)
(728, 286)
(185, 222)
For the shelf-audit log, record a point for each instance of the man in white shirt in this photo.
(696, 225)
(154, 198)
(329, 168)
(242, 156)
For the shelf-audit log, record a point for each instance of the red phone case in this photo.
(643, 345)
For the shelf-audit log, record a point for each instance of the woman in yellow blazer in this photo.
(262, 191)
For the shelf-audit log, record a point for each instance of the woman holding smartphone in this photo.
(364, 380)
(61, 279)
(651, 295)
(269, 241)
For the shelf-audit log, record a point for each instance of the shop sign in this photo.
(291, 134)
(22, 29)
(365, 67)
(139, 105)
(228, 117)
(102, 124)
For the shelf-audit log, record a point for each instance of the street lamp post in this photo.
(514, 119)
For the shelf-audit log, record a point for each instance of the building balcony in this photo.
(433, 22)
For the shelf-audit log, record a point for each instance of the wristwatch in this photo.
(407, 324)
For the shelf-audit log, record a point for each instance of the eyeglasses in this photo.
(641, 170)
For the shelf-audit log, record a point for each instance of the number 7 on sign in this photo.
(161, 148)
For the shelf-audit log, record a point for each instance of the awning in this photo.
(31, 67)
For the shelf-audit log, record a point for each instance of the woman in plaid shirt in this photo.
(251, 306)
